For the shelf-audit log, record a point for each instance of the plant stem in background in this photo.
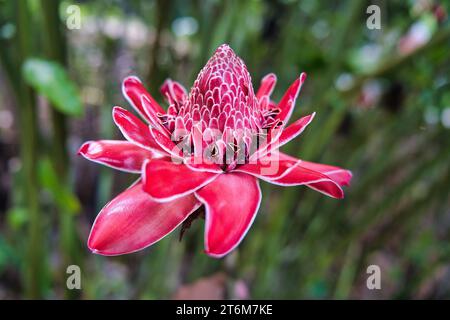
(153, 74)
(287, 203)
(55, 47)
(35, 257)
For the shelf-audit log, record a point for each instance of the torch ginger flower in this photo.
(209, 149)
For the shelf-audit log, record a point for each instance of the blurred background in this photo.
(383, 110)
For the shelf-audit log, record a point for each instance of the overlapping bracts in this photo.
(209, 149)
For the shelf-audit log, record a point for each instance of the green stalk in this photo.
(34, 265)
(54, 46)
(162, 17)
(288, 198)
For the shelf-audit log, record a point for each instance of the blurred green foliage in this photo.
(383, 110)
(50, 80)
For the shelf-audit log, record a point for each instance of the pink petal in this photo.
(231, 202)
(328, 188)
(165, 180)
(270, 144)
(154, 120)
(166, 144)
(197, 140)
(173, 91)
(267, 85)
(133, 129)
(280, 137)
(133, 221)
(121, 155)
(299, 175)
(133, 90)
(203, 165)
(268, 168)
(287, 103)
(295, 129)
(340, 175)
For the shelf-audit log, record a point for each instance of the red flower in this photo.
(209, 148)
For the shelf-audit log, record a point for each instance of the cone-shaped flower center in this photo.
(223, 94)
(221, 119)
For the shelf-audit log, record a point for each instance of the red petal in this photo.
(133, 129)
(295, 129)
(164, 143)
(173, 91)
(283, 136)
(154, 120)
(165, 180)
(133, 221)
(341, 176)
(202, 164)
(231, 202)
(197, 141)
(121, 155)
(267, 85)
(268, 167)
(268, 145)
(300, 175)
(133, 90)
(287, 103)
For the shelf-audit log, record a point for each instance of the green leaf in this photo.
(17, 217)
(50, 79)
(63, 197)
